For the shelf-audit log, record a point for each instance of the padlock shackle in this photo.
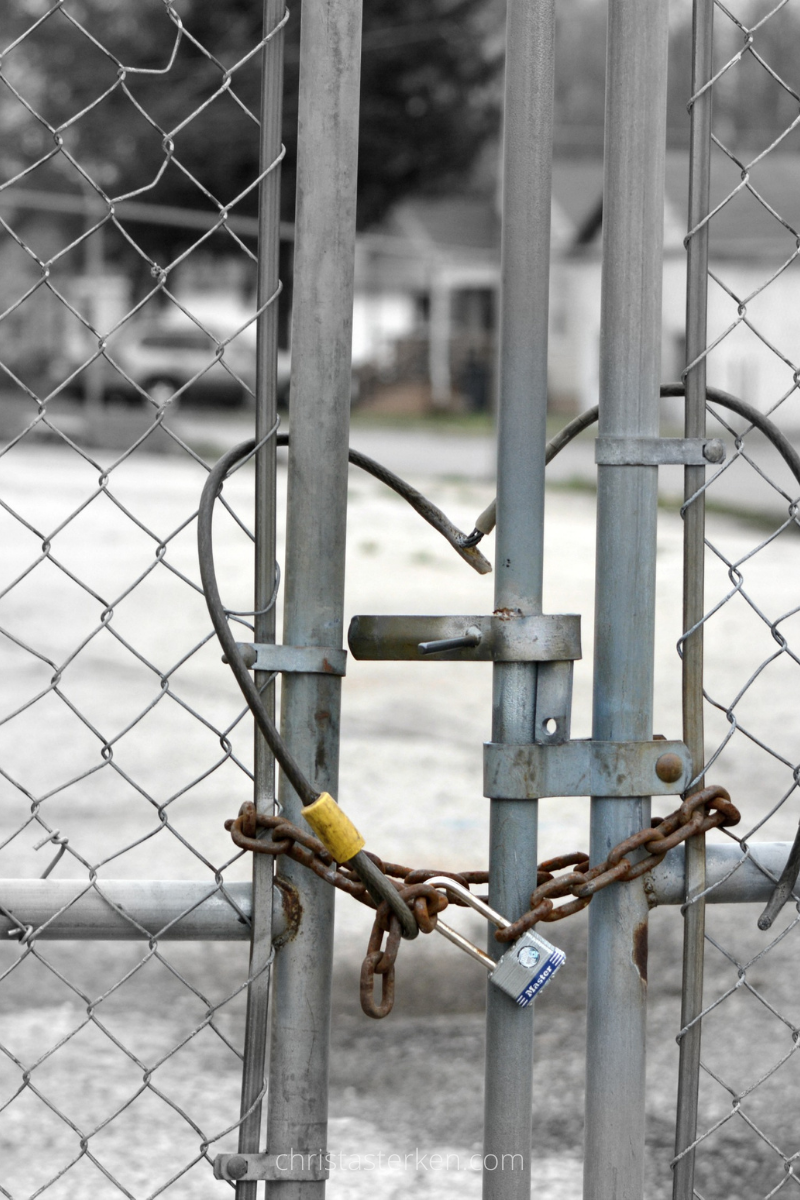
(452, 885)
(465, 944)
(458, 939)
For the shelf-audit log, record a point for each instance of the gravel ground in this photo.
(411, 779)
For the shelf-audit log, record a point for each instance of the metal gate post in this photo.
(627, 496)
(520, 525)
(693, 587)
(255, 1045)
(315, 538)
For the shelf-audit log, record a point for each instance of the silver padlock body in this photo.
(527, 967)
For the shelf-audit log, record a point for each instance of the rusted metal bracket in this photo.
(586, 768)
(657, 451)
(302, 660)
(506, 636)
(296, 1166)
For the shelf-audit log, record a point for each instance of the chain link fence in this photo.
(749, 1082)
(121, 737)
(112, 336)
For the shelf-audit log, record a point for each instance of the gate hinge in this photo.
(657, 451)
(586, 768)
(295, 1166)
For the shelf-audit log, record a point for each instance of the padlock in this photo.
(525, 968)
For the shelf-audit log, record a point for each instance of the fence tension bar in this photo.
(261, 947)
(694, 918)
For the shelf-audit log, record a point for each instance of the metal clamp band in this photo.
(657, 451)
(301, 660)
(297, 1166)
(501, 637)
(585, 768)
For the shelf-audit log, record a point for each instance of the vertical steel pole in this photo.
(528, 138)
(693, 589)
(315, 538)
(627, 497)
(255, 1047)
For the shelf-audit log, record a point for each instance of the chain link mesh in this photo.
(746, 1141)
(110, 675)
(106, 645)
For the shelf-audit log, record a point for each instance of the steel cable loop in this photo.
(374, 880)
(205, 517)
(461, 542)
(487, 520)
(415, 898)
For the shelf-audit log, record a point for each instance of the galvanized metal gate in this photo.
(107, 718)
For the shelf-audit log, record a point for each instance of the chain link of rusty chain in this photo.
(705, 810)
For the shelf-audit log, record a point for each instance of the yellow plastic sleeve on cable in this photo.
(334, 828)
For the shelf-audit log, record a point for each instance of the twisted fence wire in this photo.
(103, 791)
(750, 1075)
(123, 738)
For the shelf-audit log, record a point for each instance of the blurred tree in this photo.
(430, 99)
(430, 96)
(580, 75)
(751, 106)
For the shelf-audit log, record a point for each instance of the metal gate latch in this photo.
(504, 636)
(552, 641)
(525, 968)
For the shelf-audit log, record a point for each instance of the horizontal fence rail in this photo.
(172, 910)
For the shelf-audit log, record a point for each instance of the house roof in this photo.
(743, 228)
(466, 222)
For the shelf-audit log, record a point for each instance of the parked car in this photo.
(160, 358)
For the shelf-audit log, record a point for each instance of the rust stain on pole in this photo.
(640, 950)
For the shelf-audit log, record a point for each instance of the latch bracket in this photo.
(302, 660)
(586, 768)
(295, 1166)
(657, 451)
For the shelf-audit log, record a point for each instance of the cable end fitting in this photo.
(334, 828)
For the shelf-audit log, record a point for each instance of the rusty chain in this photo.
(705, 810)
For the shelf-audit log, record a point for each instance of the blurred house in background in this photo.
(425, 309)
(99, 327)
(426, 298)
(425, 319)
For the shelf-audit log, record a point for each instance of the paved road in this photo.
(763, 492)
(436, 453)
(736, 486)
(411, 780)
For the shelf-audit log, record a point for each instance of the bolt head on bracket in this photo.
(293, 1167)
(657, 451)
